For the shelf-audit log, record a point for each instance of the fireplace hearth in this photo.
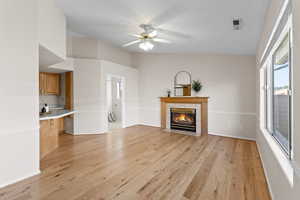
(183, 119)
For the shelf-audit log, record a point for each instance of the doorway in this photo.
(115, 101)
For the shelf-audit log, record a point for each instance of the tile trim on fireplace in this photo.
(203, 101)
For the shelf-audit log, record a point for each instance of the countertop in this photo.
(55, 114)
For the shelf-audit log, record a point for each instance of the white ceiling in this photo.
(202, 26)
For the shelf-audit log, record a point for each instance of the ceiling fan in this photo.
(147, 38)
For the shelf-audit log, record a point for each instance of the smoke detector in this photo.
(236, 24)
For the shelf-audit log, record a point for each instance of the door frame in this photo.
(123, 89)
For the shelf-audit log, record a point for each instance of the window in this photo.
(277, 94)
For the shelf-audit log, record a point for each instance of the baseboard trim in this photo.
(231, 136)
(20, 179)
(265, 171)
(100, 133)
(69, 132)
(150, 125)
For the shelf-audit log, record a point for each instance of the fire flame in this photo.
(183, 117)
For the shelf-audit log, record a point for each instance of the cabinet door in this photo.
(55, 125)
(44, 138)
(61, 125)
(42, 83)
(52, 84)
(48, 136)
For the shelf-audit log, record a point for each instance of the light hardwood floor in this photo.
(144, 162)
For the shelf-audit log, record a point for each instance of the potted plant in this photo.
(196, 86)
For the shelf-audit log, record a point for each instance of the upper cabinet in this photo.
(49, 83)
(52, 33)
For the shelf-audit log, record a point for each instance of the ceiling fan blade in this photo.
(168, 15)
(153, 33)
(131, 43)
(135, 35)
(174, 33)
(161, 40)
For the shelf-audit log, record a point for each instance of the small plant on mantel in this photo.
(196, 86)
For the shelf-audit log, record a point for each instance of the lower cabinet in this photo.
(61, 128)
(49, 133)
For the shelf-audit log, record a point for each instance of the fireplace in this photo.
(183, 119)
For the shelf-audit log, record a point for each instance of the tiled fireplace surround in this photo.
(197, 107)
(200, 104)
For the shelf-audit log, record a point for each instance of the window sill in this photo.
(284, 162)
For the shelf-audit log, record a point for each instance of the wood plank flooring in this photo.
(144, 162)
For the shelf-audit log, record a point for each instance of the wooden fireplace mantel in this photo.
(186, 100)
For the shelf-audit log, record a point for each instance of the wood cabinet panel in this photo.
(61, 128)
(44, 134)
(52, 84)
(42, 82)
(49, 83)
(69, 90)
(49, 131)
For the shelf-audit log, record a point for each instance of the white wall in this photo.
(91, 105)
(296, 90)
(87, 96)
(19, 104)
(90, 94)
(270, 20)
(114, 54)
(52, 27)
(280, 172)
(296, 82)
(84, 47)
(228, 80)
(65, 66)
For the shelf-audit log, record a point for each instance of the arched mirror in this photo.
(182, 84)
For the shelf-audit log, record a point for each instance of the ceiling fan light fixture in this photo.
(146, 46)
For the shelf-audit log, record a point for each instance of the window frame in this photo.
(280, 41)
(268, 89)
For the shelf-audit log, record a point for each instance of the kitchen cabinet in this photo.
(49, 135)
(52, 84)
(69, 90)
(49, 83)
(42, 82)
(61, 128)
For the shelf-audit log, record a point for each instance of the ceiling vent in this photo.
(236, 24)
